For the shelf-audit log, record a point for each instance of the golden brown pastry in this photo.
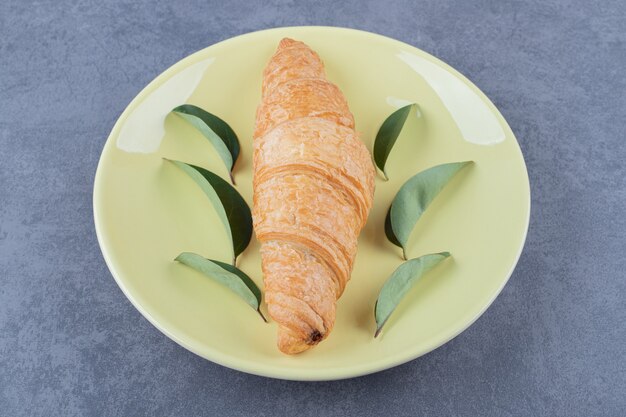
(313, 189)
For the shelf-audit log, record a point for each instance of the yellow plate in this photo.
(147, 211)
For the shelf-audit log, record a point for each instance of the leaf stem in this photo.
(404, 253)
(261, 314)
(378, 330)
(232, 179)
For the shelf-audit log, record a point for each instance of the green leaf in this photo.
(217, 131)
(389, 230)
(233, 278)
(413, 198)
(400, 282)
(387, 135)
(231, 208)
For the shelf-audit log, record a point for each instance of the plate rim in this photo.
(256, 368)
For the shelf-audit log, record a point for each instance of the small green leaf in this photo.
(387, 135)
(233, 278)
(231, 208)
(400, 282)
(413, 198)
(217, 131)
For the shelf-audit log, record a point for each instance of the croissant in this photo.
(313, 188)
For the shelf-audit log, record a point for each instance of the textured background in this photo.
(552, 344)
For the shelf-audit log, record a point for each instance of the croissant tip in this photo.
(314, 337)
(287, 42)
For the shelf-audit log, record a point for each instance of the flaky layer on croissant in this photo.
(313, 189)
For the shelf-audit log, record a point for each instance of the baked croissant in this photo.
(313, 189)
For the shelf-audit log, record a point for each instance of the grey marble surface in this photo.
(552, 344)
